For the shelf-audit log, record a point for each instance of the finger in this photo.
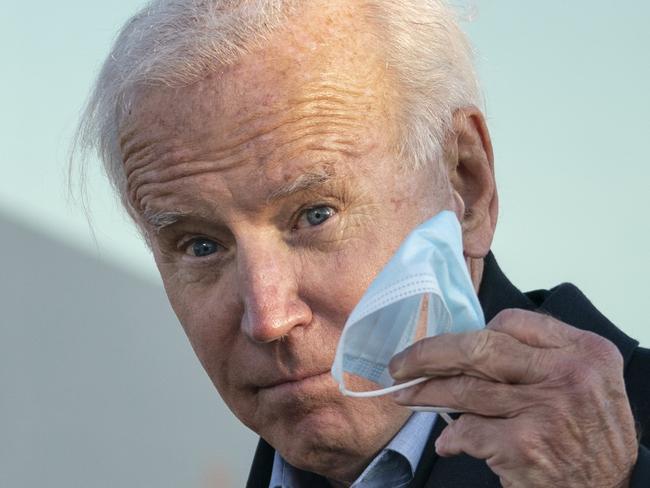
(533, 328)
(476, 436)
(468, 394)
(485, 354)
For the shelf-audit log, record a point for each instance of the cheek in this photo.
(333, 283)
(210, 316)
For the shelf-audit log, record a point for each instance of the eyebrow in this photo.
(305, 182)
(310, 180)
(159, 219)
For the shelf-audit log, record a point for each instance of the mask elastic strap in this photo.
(383, 391)
(442, 411)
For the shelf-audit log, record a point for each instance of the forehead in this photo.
(229, 112)
(313, 96)
(332, 69)
(327, 48)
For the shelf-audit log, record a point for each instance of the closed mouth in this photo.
(295, 381)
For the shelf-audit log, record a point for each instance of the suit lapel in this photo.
(260, 473)
(458, 471)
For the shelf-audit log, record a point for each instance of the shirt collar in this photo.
(409, 443)
(412, 437)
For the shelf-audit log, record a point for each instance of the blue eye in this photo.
(318, 215)
(202, 247)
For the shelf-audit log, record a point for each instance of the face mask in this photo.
(429, 264)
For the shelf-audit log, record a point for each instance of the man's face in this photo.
(285, 168)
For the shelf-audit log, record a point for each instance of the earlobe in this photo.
(471, 172)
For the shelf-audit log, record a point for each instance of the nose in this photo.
(269, 290)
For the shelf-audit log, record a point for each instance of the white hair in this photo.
(179, 42)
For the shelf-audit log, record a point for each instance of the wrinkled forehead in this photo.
(231, 108)
(275, 113)
(328, 55)
(237, 100)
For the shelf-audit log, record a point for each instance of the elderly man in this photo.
(275, 154)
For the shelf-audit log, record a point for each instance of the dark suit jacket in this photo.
(564, 302)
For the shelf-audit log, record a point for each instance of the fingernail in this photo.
(438, 446)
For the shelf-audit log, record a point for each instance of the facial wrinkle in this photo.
(330, 136)
(316, 120)
(343, 89)
(320, 131)
(299, 105)
(136, 154)
(153, 213)
(158, 179)
(346, 101)
(335, 122)
(149, 165)
(180, 152)
(314, 140)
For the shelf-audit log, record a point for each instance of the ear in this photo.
(471, 172)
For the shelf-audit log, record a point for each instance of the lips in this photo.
(296, 378)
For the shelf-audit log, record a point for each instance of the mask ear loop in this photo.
(442, 411)
(381, 392)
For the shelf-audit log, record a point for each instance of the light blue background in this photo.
(566, 87)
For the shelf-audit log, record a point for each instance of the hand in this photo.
(545, 402)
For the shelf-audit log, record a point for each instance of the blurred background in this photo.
(98, 384)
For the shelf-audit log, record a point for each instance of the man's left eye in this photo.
(202, 247)
(315, 216)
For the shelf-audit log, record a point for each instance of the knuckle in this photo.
(589, 361)
(537, 364)
(461, 387)
(419, 354)
(465, 426)
(479, 345)
(599, 349)
(456, 389)
(580, 376)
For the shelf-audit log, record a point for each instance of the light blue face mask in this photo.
(430, 264)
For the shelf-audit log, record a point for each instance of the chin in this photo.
(335, 433)
(316, 441)
(321, 425)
